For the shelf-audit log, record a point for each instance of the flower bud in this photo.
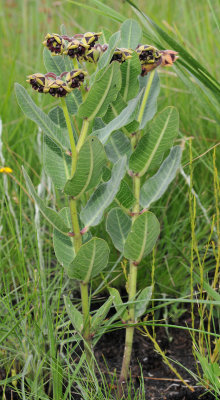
(90, 38)
(58, 88)
(168, 57)
(121, 55)
(76, 49)
(93, 54)
(54, 43)
(38, 82)
(75, 78)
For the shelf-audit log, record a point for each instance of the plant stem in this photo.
(132, 287)
(146, 94)
(83, 134)
(76, 228)
(70, 131)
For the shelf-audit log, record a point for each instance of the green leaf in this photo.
(64, 245)
(53, 64)
(119, 305)
(51, 216)
(74, 315)
(89, 166)
(57, 116)
(117, 146)
(103, 92)
(150, 108)
(131, 34)
(118, 225)
(161, 133)
(126, 116)
(130, 71)
(91, 259)
(105, 59)
(40, 118)
(100, 315)
(57, 164)
(125, 196)
(104, 195)
(142, 237)
(154, 188)
(142, 301)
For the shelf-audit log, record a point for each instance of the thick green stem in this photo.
(132, 287)
(83, 134)
(71, 137)
(76, 229)
(146, 94)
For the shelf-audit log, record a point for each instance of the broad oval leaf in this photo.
(159, 138)
(64, 245)
(91, 259)
(90, 162)
(74, 315)
(142, 237)
(117, 146)
(57, 164)
(40, 118)
(126, 116)
(131, 34)
(142, 301)
(125, 197)
(51, 216)
(154, 188)
(118, 225)
(103, 196)
(130, 72)
(57, 116)
(103, 92)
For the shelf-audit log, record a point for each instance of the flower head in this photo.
(75, 78)
(93, 54)
(76, 49)
(90, 38)
(121, 55)
(6, 170)
(39, 82)
(54, 43)
(58, 88)
(148, 54)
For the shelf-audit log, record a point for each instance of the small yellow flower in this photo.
(6, 170)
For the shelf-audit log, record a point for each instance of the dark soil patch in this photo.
(160, 382)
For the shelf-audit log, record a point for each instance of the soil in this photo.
(160, 382)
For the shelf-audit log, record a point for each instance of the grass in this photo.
(33, 318)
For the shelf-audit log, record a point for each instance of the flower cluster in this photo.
(80, 46)
(84, 48)
(54, 85)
